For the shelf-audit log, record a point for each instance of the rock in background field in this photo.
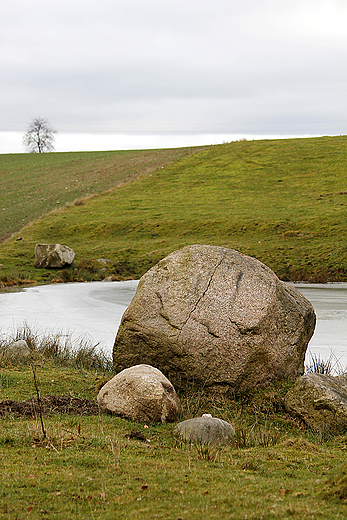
(214, 317)
(53, 256)
(141, 393)
(320, 401)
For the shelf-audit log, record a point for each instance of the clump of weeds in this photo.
(257, 434)
(61, 349)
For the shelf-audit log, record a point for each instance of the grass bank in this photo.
(86, 466)
(281, 201)
(34, 184)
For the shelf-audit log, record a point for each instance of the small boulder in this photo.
(16, 351)
(213, 317)
(320, 401)
(53, 256)
(206, 429)
(141, 393)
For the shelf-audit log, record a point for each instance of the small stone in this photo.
(16, 351)
(141, 393)
(206, 429)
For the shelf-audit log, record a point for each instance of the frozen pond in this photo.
(94, 310)
(89, 310)
(330, 303)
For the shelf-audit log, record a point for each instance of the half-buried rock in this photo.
(205, 429)
(53, 256)
(16, 351)
(320, 401)
(213, 317)
(141, 393)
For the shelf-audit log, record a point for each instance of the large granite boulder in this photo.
(205, 429)
(212, 316)
(53, 256)
(320, 401)
(141, 393)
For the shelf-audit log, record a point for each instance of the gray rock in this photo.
(16, 351)
(320, 401)
(141, 393)
(206, 429)
(53, 256)
(215, 317)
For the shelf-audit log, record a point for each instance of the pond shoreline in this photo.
(94, 310)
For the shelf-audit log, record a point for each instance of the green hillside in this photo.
(282, 201)
(33, 184)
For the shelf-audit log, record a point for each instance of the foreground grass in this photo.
(282, 201)
(274, 468)
(91, 469)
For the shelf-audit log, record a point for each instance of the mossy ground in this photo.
(87, 466)
(275, 468)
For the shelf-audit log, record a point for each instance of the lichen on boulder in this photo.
(320, 401)
(214, 317)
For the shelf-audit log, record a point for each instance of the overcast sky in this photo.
(178, 68)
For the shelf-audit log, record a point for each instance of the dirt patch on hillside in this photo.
(51, 404)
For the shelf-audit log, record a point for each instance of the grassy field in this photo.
(34, 184)
(282, 201)
(87, 467)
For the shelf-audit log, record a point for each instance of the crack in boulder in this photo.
(213, 306)
(203, 294)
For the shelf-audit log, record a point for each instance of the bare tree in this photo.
(40, 136)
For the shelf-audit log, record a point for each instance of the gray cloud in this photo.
(196, 66)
